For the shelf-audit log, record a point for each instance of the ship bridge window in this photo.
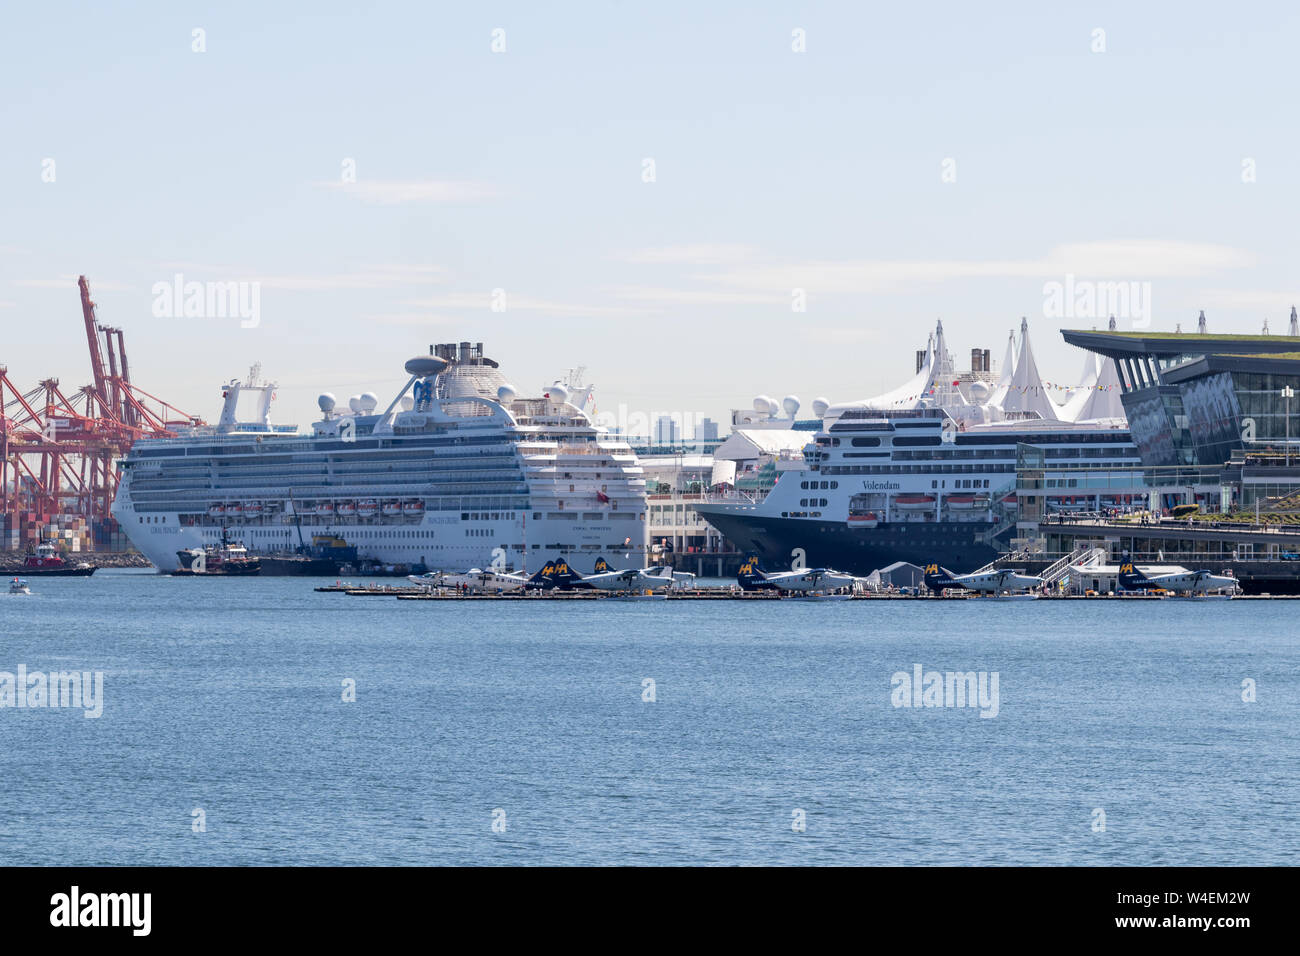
(866, 442)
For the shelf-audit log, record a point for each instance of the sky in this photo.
(699, 203)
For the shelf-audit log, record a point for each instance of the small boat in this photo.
(967, 502)
(392, 509)
(48, 560)
(413, 508)
(19, 586)
(216, 510)
(346, 509)
(325, 508)
(253, 508)
(229, 557)
(863, 519)
(914, 502)
(368, 508)
(235, 510)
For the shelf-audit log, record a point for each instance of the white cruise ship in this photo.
(456, 472)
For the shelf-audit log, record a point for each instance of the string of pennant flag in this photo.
(1023, 390)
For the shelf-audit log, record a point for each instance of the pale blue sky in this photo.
(522, 170)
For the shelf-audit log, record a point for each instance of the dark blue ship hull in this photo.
(959, 545)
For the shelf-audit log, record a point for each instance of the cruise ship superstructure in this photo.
(457, 471)
(928, 471)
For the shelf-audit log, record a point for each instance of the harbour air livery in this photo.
(752, 577)
(605, 578)
(988, 582)
(1131, 578)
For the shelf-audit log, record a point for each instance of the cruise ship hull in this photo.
(442, 542)
(857, 550)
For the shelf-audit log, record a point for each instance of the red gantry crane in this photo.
(57, 453)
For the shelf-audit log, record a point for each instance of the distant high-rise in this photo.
(666, 431)
(708, 430)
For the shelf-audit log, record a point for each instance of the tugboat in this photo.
(229, 557)
(47, 560)
(19, 586)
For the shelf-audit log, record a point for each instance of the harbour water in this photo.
(226, 695)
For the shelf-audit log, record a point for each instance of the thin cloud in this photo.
(393, 193)
(70, 282)
(376, 276)
(411, 318)
(1119, 259)
(1254, 300)
(485, 301)
(699, 254)
(656, 295)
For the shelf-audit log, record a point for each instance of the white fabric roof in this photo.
(933, 382)
(745, 443)
(1100, 396)
(1026, 392)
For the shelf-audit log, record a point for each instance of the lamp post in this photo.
(1288, 393)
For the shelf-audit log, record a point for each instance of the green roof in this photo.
(1187, 336)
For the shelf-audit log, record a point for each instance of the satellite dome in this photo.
(764, 405)
(791, 405)
(425, 365)
(980, 391)
(326, 402)
(354, 403)
(408, 403)
(558, 393)
(368, 402)
(821, 406)
(506, 394)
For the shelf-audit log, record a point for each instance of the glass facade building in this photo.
(1196, 400)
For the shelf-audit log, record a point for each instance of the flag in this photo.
(602, 497)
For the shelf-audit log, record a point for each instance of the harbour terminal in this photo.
(1169, 451)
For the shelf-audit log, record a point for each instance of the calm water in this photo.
(225, 695)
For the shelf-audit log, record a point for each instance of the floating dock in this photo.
(727, 594)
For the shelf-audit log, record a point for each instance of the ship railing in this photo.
(737, 496)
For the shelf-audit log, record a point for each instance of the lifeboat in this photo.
(235, 510)
(413, 508)
(346, 509)
(392, 509)
(1010, 501)
(253, 508)
(967, 502)
(325, 508)
(217, 510)
(863, 519)
(914, 502)
(368, 508)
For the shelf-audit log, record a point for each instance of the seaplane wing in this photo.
(1002, 579)
(1132, 578)
(476, 579)
(752, 577)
